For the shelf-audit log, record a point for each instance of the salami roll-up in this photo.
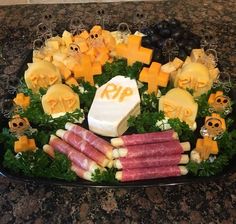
(83, 146)
(150, 173)
(97, 142)
(74, 156)
(131, 163)
(84, 174)
(153, 149)
(146, 138)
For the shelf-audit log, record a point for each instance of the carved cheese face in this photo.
(18, 125)
(179, 103)
(41, 74)
(221, 103)
(95, 37)
(60, 98)
(213, 127)
(194, 76)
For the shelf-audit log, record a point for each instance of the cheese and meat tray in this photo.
(106, 108)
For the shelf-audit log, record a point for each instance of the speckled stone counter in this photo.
(211, 202)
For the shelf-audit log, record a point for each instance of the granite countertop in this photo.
(205, 202)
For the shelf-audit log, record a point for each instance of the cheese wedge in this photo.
(112, 106)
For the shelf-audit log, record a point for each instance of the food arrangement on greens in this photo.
(109, 106)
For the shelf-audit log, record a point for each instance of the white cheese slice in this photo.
(112, 106)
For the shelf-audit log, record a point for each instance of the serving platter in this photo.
(83, 183)
(188, 179)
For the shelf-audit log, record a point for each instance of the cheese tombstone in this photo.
(41, 74)
(113, 104)
(60, 99)
(133, 51)
(179, 103)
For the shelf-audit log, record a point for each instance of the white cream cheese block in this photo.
(113, 104)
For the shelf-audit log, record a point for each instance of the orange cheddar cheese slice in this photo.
(24, 144)
(87, 69)
(71, 81)
(133, 51)
(154, 77)
(213, 96)
(65, 72)
(216, 118)
(206, 146)
(22, 100)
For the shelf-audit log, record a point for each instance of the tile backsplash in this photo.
(14, 2)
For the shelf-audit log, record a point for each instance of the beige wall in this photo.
(13, 2)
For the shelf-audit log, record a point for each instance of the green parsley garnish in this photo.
(105, 176)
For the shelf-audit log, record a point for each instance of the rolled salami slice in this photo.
(153, 149)
(84, 174)
(83, 146)
(146, 138)
(132, 163)
(97, 142)
(74, 156)
(150, 173)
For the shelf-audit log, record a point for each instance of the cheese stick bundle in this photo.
(146, 138)
(84, 147)
(97, 142)
(73, 155)
(150, 173)
(133, 163)
(153, 149)
(84, 174)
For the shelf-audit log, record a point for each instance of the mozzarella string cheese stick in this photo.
(132, 163)
(49, 150)
(84, 174)
(97, 142)
(154, 149)
(150, 173)
(76, 157)
(138, 139)
(83, 146)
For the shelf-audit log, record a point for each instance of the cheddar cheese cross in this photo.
(154, 77)
(133, 51)
(206, 146)
(24, 144)
(22, 100)
(87, 69)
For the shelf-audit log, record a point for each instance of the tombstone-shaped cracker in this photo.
(112, 106)
(60, 99)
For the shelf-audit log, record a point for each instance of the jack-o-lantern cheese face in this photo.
(179, 103)
(41, 74)
(60, 99)
(194, 76)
